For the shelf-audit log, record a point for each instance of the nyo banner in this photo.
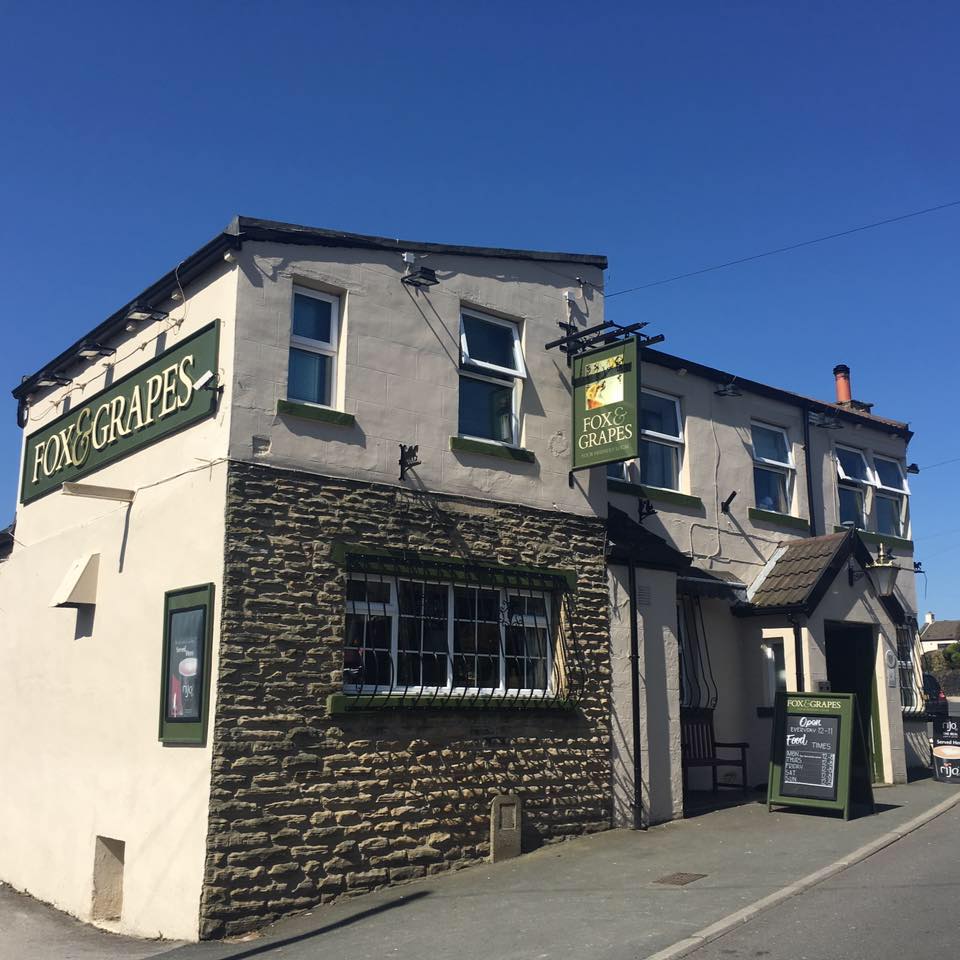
(137, 410)
(606, 406)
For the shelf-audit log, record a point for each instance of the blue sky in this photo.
(667, 136)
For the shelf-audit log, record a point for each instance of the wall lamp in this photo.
(88, 350)
(141, 313)
(727, 390)
(825, 421)
(421, 277)
(53, 380)
(913, 468)
(883, 572)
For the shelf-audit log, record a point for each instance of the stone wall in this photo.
(307, 807)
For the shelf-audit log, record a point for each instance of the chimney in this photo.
(930, 617)
(841, 375)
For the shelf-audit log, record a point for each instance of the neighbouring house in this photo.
(938, 634)
(302, 580)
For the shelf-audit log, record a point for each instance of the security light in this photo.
(141, 313)
(421, 277)
(89, 349)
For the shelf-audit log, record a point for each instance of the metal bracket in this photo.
(409, 458)
(645, 509)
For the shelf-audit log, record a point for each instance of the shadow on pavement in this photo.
(267, 946)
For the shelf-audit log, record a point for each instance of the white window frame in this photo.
(842, 474)
(902, 491)
(858, 488)
(495, 374)
(323, 347)
(665, 439)
(518, 372)
(787, 469)
(392, 610)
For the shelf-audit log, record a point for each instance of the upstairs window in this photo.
(314, 336)
(890, 500)
(853, 478)
(491, 364)
(661, 440)
(772, 468)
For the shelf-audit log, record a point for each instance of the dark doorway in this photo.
(851, 650)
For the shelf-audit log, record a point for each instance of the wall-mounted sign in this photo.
(819, 756)
(144, 406)
(946, 749)
(606, 405)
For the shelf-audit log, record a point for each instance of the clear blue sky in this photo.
(668, 136)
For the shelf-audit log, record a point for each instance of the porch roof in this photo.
(801, 573)
(628, 541)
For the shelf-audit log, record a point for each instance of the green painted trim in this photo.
(868, 536)
(308, 411)
(779, 519)
(392, 563)
(464, 445)
(177, 732)
(653, 493)
(341, 703)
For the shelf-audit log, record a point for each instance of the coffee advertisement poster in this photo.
(946, 749)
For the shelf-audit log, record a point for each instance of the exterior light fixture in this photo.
(53, 380)
(727, 390)
(825, 421)
(883, 572)
(913, 468)
(421, 277)
(141, 313)
(88, 350)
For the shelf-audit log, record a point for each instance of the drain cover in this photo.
(680, 879)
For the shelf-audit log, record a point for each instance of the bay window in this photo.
(491, 366)
(772, 468)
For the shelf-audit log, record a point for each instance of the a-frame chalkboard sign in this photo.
(820, 755)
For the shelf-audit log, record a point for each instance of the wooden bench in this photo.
(698, 748)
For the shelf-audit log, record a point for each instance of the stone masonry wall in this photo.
(307, 807)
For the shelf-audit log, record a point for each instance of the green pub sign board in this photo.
(606, 405)
(146, 405)
(819, 756)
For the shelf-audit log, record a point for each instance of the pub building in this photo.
(309, 567)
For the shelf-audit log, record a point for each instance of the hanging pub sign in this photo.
(819, 756)
(606, 405)
(144, 406)
(946, 749)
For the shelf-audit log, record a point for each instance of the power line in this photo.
(942, 463)
(792, 246)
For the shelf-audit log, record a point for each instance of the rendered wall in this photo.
(659, 676)
(81, 757)
(399, 362)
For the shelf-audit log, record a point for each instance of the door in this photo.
(851, 650)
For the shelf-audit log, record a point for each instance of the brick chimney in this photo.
(841, 376)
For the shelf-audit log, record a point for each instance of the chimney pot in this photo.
(841, 374)
(930, 617)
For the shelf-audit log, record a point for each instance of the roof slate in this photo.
(798, 571)
(943, 630)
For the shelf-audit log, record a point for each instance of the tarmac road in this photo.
(901, 902)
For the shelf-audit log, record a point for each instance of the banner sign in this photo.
(144, 406)
(819, 756)
(946, 749)
(606, 405)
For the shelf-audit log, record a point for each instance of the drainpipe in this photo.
(809, 469)
(797, 651)
(635, 700)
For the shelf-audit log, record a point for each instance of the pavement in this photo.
(901, 902)
(595, 896)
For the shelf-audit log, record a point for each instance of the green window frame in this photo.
(190, 726)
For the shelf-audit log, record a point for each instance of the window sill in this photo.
(518, 454)
(308, 411)
(888, 540)
(654, 493)
(341, 703)
(779, 519)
